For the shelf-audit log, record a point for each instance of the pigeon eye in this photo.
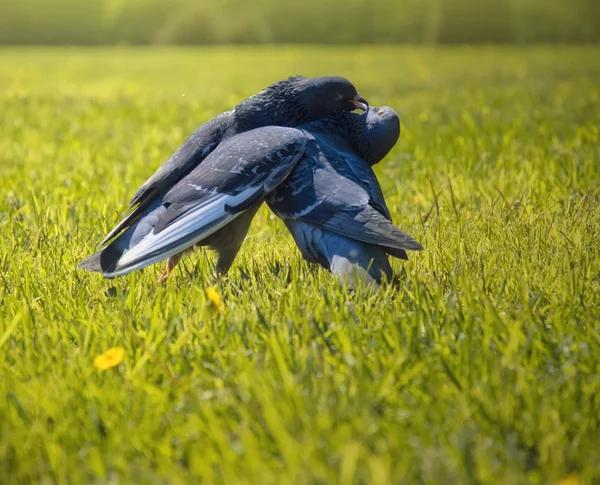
(339, 97)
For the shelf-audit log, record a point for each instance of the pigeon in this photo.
(289, 102)
(286, 103)
(332, 192)
(332, 202)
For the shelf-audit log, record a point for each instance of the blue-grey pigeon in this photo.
(214, 204)
(332, 202)
(290, 102)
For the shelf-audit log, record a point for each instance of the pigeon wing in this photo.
(325, 190)
(370, 226)
(193, 151)
(239, 173)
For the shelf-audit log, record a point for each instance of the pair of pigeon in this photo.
(300, 146)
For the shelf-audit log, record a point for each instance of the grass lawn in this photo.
(481, 365)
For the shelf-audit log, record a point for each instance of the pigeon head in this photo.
(322, 96)
(375, 133)
(298, 100)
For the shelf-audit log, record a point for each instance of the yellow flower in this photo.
(110, 358)
(214, 298)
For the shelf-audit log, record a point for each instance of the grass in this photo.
(480, 366)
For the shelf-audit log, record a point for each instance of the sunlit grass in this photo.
(480, 365)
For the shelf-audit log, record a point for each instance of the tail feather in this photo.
(126, 222)
(348, 259)
(397, 253)
(142, 245)
(106, 260)
(370, 226)
(92, 263)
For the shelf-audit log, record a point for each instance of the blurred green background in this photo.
(105, 22)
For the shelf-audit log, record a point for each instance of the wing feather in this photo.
(336, 190)
(193, 151)
(240, 173)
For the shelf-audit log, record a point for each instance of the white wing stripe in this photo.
(201, 216)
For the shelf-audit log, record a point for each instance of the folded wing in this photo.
(193, 151)
(339, 192)
(238, 174)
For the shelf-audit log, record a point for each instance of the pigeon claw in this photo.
(171, 263)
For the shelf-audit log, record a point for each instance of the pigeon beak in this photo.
(360, 102)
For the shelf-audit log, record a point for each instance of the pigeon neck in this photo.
(355, 131)
(277, 104)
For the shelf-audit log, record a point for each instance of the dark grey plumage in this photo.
(332, 202)
(290, 102)
(211, 163)
(212, 206)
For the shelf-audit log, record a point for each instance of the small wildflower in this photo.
(110, 358)
(214, 298)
